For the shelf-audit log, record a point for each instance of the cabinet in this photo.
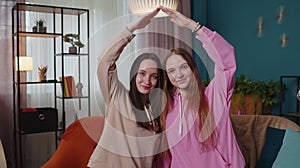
(289, 102)
(41, 105)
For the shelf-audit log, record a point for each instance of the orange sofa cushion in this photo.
(77, 144)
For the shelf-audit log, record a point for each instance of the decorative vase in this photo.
(235, 104)
(246, 104)
(34, 29)
(298, 95)
(42, 29)
(42, 77)
(79, 87)
(72, 50)
(42, 73)
(252, 105)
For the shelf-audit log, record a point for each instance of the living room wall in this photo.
(260, 58)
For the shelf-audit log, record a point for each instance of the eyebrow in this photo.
(170, 69)
(185, 63)
(141, 70)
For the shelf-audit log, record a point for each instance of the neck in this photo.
(145, 98)
(183, 92)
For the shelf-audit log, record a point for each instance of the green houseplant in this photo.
(254, 97)
(74, 40)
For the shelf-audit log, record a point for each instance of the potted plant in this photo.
(42, 73)
(74, 40)
(245, 98)
(39, 26)
(254, 97)
(270, 95)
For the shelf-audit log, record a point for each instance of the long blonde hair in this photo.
(196, 99)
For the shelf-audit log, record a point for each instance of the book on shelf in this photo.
(69, 86)
(65, 89)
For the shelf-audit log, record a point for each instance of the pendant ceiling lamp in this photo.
(141, 7)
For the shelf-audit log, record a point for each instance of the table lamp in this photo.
(141, 7)
(25, 63)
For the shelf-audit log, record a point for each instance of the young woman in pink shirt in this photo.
(197, 122)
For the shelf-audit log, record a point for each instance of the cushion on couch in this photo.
(77, 144)
(250, 132)
(288, 155)
(271, 148)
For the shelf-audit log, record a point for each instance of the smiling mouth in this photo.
(180, 81)
(146, 87)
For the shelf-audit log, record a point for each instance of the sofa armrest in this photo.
(77, 144)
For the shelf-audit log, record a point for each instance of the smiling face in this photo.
(179, 72)
(147, 76)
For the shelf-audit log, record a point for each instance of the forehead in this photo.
(175, 61)
(148, 63)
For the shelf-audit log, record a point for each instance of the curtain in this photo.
(157, 37)
(165, 35)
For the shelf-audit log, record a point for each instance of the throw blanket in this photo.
(250, 131)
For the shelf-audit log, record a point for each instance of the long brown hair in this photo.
(138, 100)
(200, 102)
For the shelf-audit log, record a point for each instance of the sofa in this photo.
(251, 132)
(77, 144)
(81, 137)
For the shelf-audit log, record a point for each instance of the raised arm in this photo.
(218, 49)
(106, 71)
(220, 89)
(222, 53)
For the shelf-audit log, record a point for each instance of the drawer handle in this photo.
(42, 117)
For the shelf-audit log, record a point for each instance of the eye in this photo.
(141, 73)
(171, 71)
(155, 77)
(185, 66)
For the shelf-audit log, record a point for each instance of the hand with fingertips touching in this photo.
(143, 21)
(179, 19)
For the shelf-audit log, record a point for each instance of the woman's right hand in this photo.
(143, 21)
(179, 19)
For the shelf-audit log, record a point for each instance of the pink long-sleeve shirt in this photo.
(185, 149)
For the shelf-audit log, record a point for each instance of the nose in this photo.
(147, 79)
(178, 74)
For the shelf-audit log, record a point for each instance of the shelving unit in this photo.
(289, 104)
(33, 118)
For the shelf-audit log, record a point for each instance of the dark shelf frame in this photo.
(293, 114)
(16, 35)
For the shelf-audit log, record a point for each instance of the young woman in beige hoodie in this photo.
(130, 137)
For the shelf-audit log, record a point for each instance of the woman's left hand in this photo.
(143, 21)
(179, 19)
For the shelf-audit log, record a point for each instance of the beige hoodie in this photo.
(123, 143)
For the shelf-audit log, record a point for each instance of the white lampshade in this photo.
(141, 7)
(25, 63)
